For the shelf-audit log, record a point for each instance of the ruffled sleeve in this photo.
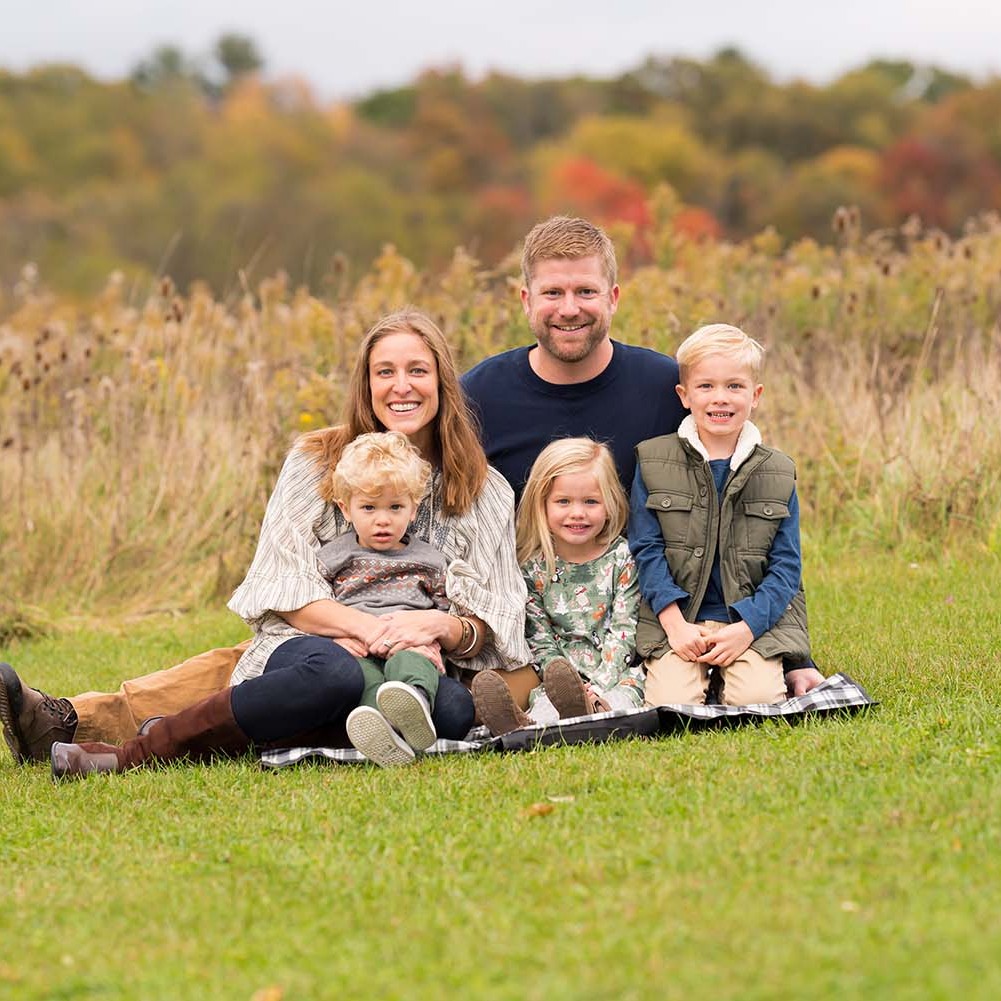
(285, 574)
(484, 578)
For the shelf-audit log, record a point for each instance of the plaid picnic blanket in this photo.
(838, 693)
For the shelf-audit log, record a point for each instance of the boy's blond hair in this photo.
(380, 460)
(567, 455)
(567, 238)
(720, 339)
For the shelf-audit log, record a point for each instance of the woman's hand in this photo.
(406, 630)
(330, 618)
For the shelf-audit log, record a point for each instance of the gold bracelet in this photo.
(464, 651)
(466, 633)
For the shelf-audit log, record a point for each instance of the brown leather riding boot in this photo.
(207, 728)
(78, 760)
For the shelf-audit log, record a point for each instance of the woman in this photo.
(299, 672)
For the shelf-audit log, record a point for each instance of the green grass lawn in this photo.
(845, 857)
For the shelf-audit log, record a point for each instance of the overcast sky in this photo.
(346, 49)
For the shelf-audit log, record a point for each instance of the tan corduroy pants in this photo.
(114, 717)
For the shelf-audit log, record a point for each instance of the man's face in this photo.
(569, 305)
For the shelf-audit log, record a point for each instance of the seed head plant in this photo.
(141, 433)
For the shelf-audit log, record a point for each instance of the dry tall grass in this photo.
(141, 435)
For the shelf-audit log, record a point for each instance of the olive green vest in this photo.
(692, 516)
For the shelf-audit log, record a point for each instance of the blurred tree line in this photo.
(214, 172)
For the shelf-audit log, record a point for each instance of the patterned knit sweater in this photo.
(407, 579)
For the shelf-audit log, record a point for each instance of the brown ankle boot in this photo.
(32, 721)
(196, 733)
(495, 704)
(565, 689)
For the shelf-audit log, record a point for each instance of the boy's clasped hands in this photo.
(721, 646)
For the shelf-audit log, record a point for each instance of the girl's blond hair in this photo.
(463, 461)
(567, 455)
(382, 460)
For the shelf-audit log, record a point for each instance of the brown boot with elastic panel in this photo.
(208, 728)
(565, 689)
(495, 704)
(32, 721)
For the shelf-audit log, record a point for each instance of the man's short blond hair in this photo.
(381, 460)
(720, 339)
(567, 238)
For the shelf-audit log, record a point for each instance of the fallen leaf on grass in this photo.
(849, 905)
(538, 809)
(272, 993)
(560, 799)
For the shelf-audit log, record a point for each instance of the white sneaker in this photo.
(408, 711)
(371, 734)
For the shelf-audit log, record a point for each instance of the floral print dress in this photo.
(586, 612)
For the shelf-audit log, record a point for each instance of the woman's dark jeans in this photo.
(453, 709)
(311, 682)
(308, 682)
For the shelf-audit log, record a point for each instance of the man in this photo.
(574, 381)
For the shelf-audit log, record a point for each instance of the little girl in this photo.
(583, 595)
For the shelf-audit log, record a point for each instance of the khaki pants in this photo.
(114, 717)
(749, 680)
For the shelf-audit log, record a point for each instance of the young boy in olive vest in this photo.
(714, 529)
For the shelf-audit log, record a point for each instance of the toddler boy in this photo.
(378, 568)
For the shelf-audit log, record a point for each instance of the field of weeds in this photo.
(142, 430)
